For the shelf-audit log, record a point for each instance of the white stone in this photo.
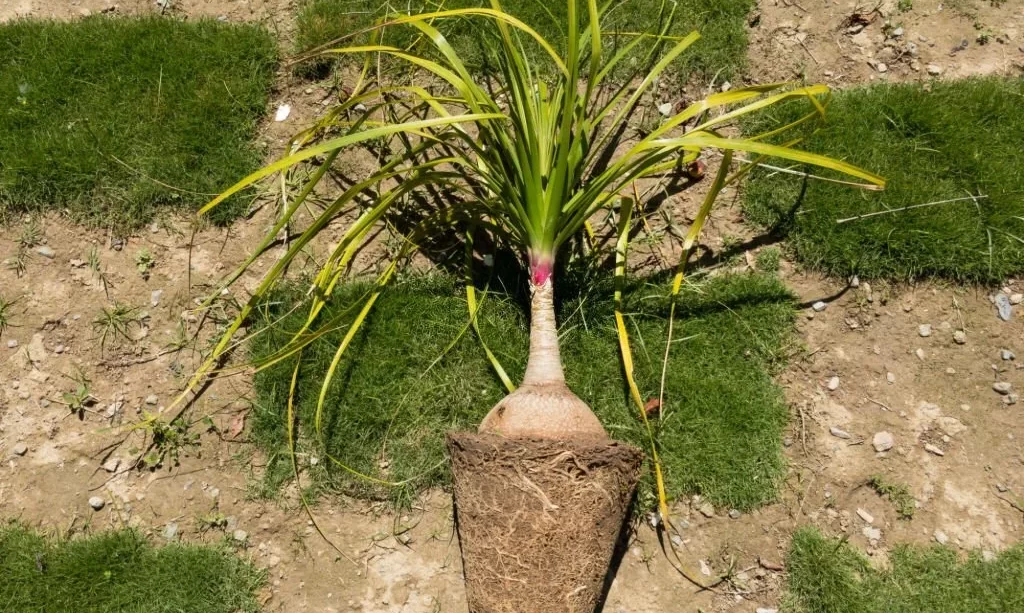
(283, 112)
(883, 441)
(1006, 354)
(925, 330)
(934, 70)
(833, 384)
(941, 537)
(20, 449)
(1002, 387)
(934, 450)
(865, 516)
(819, 306)
(890, 377)
(839, 433)
(240, 536)
(959, 337)
(872, 534)
(97, 503)
(1016, 298)
(112, 465)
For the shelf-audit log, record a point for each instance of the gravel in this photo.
(883, 441)
(839, 433)
(1002, 387)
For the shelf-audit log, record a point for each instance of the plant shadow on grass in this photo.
(829, 576)
(934, 143)
(385, 416)
(120, 572)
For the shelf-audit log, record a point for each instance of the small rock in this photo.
(1016, 298)
(1010, 399)
(1000, 487)
(897, 33)
(883, 441)
(765, 610)
(940, 537)
(1003, 307)
(872, 534)
(959, 337)
(96, 503)
(112, 465)
(240, 536)
(865, 516)
(890, 377)
(919, 353)
(283, 112)
(839, 433)
(934, 70)
(154, 297)
(47, 252)
(20, 449)
(273, 561)
(934, 450)
(819, 306)
(705, 569)
(1002, 387)
(833, 384)
(734, 513)
(171, 531)
(59, 349)
(665, 109)
(706, 509)
(1006, 354)
(11, 344)
(152, 400)
(925, 330)
(881, 67)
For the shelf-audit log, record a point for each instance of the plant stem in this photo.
(544, 366)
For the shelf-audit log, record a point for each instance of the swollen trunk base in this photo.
(538, 519)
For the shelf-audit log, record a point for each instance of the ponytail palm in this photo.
(525, 155)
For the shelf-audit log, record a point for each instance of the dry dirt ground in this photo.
(923, 390)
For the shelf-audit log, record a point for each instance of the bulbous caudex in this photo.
(543, 406)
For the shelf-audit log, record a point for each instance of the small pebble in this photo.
(872, 534)
(934, 70)
(706, 509)
(933, 449)
(152, 399)
(734, 514)
(154, 297)
(940, 537)
(11, 344)
(1003, 307)
(1016, 298)
(112, 465)
(839, 433)
(96, 503)
(171, 531)
(665, 109)
(47, 252)
(1006, 354)
(1010, 399)
(20, 449)
(890, 377)
(819, 306)
(240, 536)
(833, 384)
(925, 330)
(919, 353)
(865, 516)
(1002, 387)
(883, 441)
(959, 337)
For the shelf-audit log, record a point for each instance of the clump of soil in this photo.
(538, 519)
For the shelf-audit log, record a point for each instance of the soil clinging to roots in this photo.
(538, 519)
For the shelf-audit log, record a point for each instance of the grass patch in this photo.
(722, 24)
(720, 435)
(119, 572)
(962, 138)
(177, 103)
(897, 493)
(828, 576)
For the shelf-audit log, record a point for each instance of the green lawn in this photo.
(720, 435)
(99, 116)
(722, 23)
(120, 572)
(959, 139)
(828, 576)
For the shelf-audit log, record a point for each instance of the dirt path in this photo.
(868, 338)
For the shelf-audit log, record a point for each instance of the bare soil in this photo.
(923, 390)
